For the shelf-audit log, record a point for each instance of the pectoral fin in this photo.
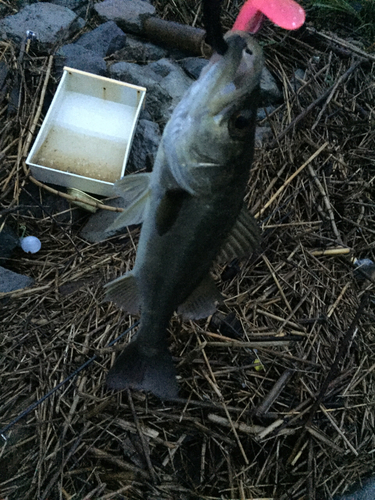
(123, 291)
(168, 209)
(243, 238)
(135, 189)
(202, 302)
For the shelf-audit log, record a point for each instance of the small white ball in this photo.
(30, 244)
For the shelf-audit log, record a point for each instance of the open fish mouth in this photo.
(241, 75)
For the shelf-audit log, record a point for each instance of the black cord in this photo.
(46, 396)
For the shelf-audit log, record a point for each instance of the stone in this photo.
(262, 135)
(139, 51)
(52, 24)
(145, 146)
(163, 67)
(264, 111)
(176, 83)
(10, 281)
(75, 56)
(75, 5)
(364, 492)
(127, 14)
(269, 91)
(157, 100)
(103, 40)
(193, 66)
(8, 242)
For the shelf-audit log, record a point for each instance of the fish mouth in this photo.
(230, 78)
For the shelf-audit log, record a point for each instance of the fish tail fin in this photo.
(148, 369)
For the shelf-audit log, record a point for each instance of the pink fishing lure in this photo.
(285, 13)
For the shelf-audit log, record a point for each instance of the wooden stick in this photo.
(289, 180)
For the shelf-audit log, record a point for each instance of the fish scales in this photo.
(191, 207)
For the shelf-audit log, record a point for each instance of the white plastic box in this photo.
(85, 139)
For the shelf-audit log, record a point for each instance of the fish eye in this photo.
(240, 124)
(248, 51)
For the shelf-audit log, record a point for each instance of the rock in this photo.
(264, 111)
(75, 56)
(262, 135)
(269, 91)
(8, 242)
(136, 50)
(76, 5)
(145, 145)
(176, 83)
(157, 100)
(103, 40)
(127, 14)
(52, 23)
(364, 492)
(95, 229)
(298, 79)
(10, 281)
(193, 66)
(133, 73)
(163, 67)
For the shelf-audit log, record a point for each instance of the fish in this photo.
(192, 213)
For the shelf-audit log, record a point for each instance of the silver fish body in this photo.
(191, 209)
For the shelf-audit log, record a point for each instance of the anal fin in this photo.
(135, 189)
(202, 302)
(123, 291)
(244, 238)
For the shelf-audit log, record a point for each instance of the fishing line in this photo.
(72, 375)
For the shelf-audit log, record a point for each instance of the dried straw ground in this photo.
(294, 420)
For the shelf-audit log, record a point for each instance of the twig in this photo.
(32, 407)
(141, 435)
(315, 103)
(341, 353)
(343, 43)
(326, 202)
(289, 180)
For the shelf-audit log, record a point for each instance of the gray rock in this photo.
(8, 242)
(52, 23)
(366, 492)
(264, 111)
(157, 100)
(139, 51)
(75, 5)
(193, 66)
(103, 40)
(10, 281)
(269, 91)
(127, 14)
(176, 83)
(75, 56)
(145, 145)
(298, 79)
(134, 73)
(262, 135)
(163, 67)
(95, 229)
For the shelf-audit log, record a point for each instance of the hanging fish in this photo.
(191, 207)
